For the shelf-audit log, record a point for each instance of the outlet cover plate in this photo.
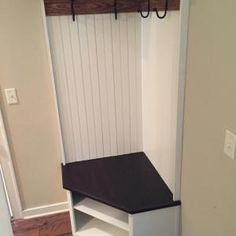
(230, 144)
(11, 96)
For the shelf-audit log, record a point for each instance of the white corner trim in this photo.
(52, 79)
(184, 23)
(8, 172)
(45, 210)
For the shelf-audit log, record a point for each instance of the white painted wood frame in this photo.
(184, 23)
(52, 79)
(90, 217)
(9, 173)
(5, 219)
(163, 222)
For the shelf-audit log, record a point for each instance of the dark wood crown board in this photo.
(63, 7)
(127, 182)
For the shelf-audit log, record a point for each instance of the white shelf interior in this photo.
(90, 226)
(103, 212)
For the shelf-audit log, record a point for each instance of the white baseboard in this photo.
(45, 210)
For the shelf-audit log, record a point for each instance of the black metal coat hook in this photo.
(72, 9)
(115, 8)
(165, 13)
(148, 12)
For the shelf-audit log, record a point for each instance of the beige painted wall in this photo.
(31, 125)
(209, 177)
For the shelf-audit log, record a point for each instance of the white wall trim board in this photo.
(5, 218)
(6, 192)
(184, 22)
(52, 79)
(45, 210)
(8, 172)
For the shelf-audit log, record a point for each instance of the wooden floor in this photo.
(52, 225)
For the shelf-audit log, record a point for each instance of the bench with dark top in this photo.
(127, 182)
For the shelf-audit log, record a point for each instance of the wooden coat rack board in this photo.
(63, 7)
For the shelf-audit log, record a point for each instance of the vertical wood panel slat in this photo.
(132, 80)
(59, 71)
(110, 83)
(125, 79)
(78, 131)
(118, 83)
(93, 67)
(83, 34)
(69, 127)
(96, 62)
(70, 87)
(80, 96)
(51, 23)
(138, 76)
(100, 49)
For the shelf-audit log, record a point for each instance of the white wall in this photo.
(160, 61)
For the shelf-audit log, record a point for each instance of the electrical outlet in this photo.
(11, 96)
(230, 144)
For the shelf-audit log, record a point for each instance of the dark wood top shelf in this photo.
(127, 182)
(63, 7)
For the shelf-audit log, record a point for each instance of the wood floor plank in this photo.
(52, 225)
(33, 232)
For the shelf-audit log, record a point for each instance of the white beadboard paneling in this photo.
(87, 82)
(96, 62)
(70, 87)
(94, 77)
(79, 85)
